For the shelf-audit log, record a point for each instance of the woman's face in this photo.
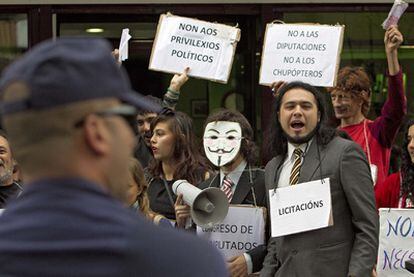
(410, 146)
(162, 142)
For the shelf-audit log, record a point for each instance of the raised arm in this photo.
(386, 126)
(173, 92)
(392, 40)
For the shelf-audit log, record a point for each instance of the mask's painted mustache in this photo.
(220, 151)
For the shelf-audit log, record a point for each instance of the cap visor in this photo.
(140, 102)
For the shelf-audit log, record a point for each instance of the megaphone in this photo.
(208, 207)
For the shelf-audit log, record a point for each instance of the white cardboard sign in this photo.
(299, 208)
(396, 241)
(207, 48)
(123, 45)
(242, 230)
(307, 53)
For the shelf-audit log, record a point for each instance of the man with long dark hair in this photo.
(306, 150)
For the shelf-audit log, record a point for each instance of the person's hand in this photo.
(374, 273)
(392, 39)
(179, 80)
(182, 211)
(115, 53)
(276, 86)
(237, 266)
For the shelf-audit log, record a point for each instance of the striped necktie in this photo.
(294, 174)
(226, 187)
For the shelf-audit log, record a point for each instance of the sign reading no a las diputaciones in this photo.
(301, 52)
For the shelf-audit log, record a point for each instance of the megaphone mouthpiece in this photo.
(204, 204)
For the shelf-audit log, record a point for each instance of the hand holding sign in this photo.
(276, 87)
(115, 54)
(392, 39)
(179, 80)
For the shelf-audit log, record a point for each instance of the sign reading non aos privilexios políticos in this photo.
(206, 48)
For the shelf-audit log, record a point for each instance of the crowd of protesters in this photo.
(76, 202)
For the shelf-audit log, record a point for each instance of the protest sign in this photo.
(206, 48)
(242, 230)
(299, 208)
(395, 14)
(307, 53)
(396, 241)
(123, 45)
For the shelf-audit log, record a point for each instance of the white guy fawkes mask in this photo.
(222, 140)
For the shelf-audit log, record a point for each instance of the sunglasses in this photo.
(128, 113)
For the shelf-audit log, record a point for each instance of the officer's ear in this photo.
(96, 135)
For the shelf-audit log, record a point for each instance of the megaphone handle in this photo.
(188, 223)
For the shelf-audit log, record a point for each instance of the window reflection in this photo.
(13, 37)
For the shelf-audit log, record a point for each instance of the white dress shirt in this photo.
(289, 161)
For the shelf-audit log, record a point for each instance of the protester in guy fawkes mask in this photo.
(229, 145)
(305, 150)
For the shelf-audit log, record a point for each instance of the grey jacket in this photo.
(349, 247)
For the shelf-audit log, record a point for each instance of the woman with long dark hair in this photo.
(176, 156)
(397, 191)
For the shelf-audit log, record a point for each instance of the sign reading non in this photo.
(242, 230)
(307, 53)
(300, 208)
(207, 48)
(396, 241)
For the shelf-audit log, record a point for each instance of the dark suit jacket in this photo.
(350, 246)
(243, 195)
(71, 227)
(142, 153)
